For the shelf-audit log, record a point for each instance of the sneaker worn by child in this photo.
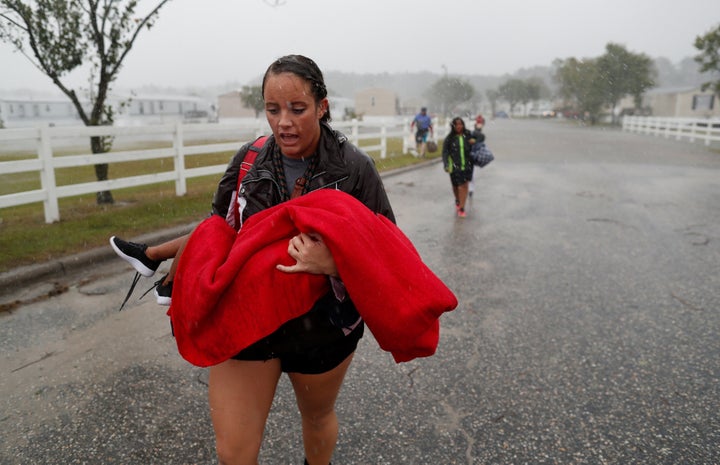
(134, 254)
(163, 292)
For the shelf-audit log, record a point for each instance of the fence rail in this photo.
(44, 141)
(707, 130)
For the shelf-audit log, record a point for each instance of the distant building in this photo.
(686, 102)
(158, 109)
(230, 106)
(29, 111)
(23, 111)
(376, 102)
(682, 102)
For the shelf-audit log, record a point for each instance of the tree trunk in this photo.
(101, 171)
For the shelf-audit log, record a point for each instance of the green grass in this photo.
(25, 238)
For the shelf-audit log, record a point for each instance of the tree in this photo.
(624, 73)
(514, 91)
(448, 92)
(541, 91)
(60, 36)
(523, 91)
(580, 84)
(709, 58)
(251, 97)
(493, 97)
(533, 91)
(592, 84)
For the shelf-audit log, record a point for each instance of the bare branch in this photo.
(145, 21)
(13, 22)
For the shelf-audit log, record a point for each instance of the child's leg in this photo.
(179, 245)
(166, 250)
(144, 259)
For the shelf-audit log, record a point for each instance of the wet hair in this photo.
(304, 68)
(452, 124)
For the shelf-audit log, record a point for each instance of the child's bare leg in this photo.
(166, 250)
(180, 243)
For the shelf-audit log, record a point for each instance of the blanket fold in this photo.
(227, 293)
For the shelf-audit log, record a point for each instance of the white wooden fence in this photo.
(693, 129)
(46, 140)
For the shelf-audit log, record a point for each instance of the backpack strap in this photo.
(245, 166)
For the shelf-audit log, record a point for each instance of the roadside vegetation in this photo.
(25, 238)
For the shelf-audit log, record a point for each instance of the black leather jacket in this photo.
(341, 166)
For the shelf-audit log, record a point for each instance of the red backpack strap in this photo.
(250, 157)
(245, 166)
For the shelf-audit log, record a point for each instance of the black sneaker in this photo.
(134, 254)
(163, 292)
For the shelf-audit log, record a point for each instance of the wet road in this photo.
(588, 275)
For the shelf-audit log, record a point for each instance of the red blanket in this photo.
(227, 293)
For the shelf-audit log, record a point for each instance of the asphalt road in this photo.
(588, 275)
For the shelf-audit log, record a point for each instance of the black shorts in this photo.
(310, 344)
(421, 135)
(458, 178)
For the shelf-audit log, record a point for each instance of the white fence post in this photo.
(47, 176)
(692, 131)
(179, 148)
(354, 138)
(260, 131)
(407, 137)
(708, 133)
(383, 142)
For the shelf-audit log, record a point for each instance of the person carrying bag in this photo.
(480, 153)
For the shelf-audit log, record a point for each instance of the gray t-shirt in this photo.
(294, 169)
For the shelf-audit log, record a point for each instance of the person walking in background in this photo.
(422, 123)
(458, 163)
(476, 136)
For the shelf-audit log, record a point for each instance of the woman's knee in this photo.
(237, 452)
(319, 419)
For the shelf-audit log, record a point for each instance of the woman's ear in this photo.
(323, 107)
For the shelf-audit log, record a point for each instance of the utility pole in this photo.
(442, 106)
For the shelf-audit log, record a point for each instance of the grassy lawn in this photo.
(26, 239)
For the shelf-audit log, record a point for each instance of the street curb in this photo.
(61, 267)
(55, 269)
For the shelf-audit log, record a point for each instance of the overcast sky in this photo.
(213, 42)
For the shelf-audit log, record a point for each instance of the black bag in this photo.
(481, 154)
(432, 146)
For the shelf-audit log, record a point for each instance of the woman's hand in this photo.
(311, 255)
